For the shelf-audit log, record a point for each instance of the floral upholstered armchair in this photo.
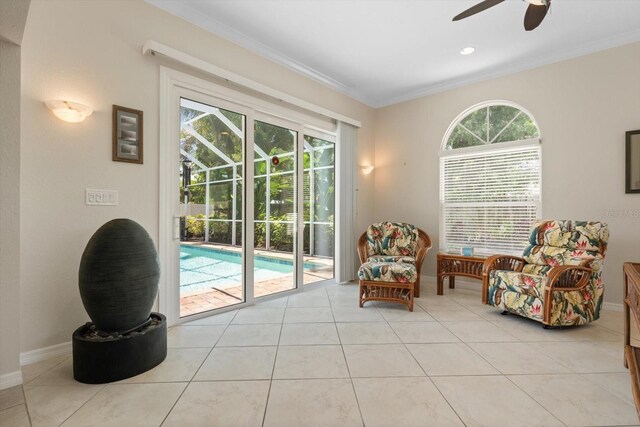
(391, 255)
(558, 279)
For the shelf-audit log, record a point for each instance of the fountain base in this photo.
(100, 358)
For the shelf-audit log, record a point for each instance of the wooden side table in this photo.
(453, 265)
(632, 304)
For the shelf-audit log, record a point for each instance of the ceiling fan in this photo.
(536, 11)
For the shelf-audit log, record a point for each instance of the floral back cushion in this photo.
(392, 238)
(554, 243)
(579, 235)
(540, 259)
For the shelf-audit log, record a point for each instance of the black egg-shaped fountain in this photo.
(118, 281)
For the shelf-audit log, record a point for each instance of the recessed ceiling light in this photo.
(467, 50)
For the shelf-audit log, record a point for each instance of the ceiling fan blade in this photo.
(535, 14)
(486, 4)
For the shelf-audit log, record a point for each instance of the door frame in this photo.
(173, 84)
(172, 88)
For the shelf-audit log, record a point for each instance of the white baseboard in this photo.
(10, 380)
(612, 306)
(477, 286)
(40, 354)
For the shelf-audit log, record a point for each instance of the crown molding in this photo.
(502, 71)
(188, 13)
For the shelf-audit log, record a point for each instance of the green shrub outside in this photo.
(281, 238)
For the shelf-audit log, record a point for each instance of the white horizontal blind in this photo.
(489, 199)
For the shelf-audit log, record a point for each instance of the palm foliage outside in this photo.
(214, 142)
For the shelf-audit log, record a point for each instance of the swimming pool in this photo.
(203, 268)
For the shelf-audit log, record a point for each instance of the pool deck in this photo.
(216, 298)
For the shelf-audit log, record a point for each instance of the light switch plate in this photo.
(101, 197)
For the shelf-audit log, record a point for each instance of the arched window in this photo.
(490, 179)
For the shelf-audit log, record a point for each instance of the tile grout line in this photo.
(199, 367)
(46, 370)
(26, 405)
(421, 367)
(17, 404)
(273, 369)
(24, 399)
(447, 400)
(535, 400)
(81, 406)
(500, 373)
(344, 355)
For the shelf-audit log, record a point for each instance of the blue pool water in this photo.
(205, 268)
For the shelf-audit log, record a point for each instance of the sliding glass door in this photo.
(275, 208)
(246, 230)
(212, 143)
(319, 209)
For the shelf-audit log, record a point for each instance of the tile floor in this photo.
(315, 359)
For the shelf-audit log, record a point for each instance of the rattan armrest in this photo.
(420, 256)
(568, 278)
(502, 262)
(362, 248)
(498, 262)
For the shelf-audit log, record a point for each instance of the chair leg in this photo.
(411, 295)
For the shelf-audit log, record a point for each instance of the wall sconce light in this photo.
(68, 111)
(367, 169)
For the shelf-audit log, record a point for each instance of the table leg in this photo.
(440, 280)
(625, 306)
(452, 282)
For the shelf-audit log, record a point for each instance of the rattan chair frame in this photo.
(392, 291)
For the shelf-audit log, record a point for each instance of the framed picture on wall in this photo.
(127, 135)
(632, 184)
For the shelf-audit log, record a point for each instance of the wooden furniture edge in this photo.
(464, 259)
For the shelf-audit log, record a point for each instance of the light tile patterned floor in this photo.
(316, 359)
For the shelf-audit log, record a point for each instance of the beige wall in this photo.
(13, 14)
(583, 107)
(89, 52)
(10, 207)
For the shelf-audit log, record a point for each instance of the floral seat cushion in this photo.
(512, 281)
(389, 258)
(388, 272)
(515, 302)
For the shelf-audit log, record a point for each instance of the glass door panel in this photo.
(275, 207)
(319, 209)
(211, 204)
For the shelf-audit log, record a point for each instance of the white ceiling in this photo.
(386, 51)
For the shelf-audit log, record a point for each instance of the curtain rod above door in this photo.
(152, 47)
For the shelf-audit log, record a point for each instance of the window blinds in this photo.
(489, 200)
